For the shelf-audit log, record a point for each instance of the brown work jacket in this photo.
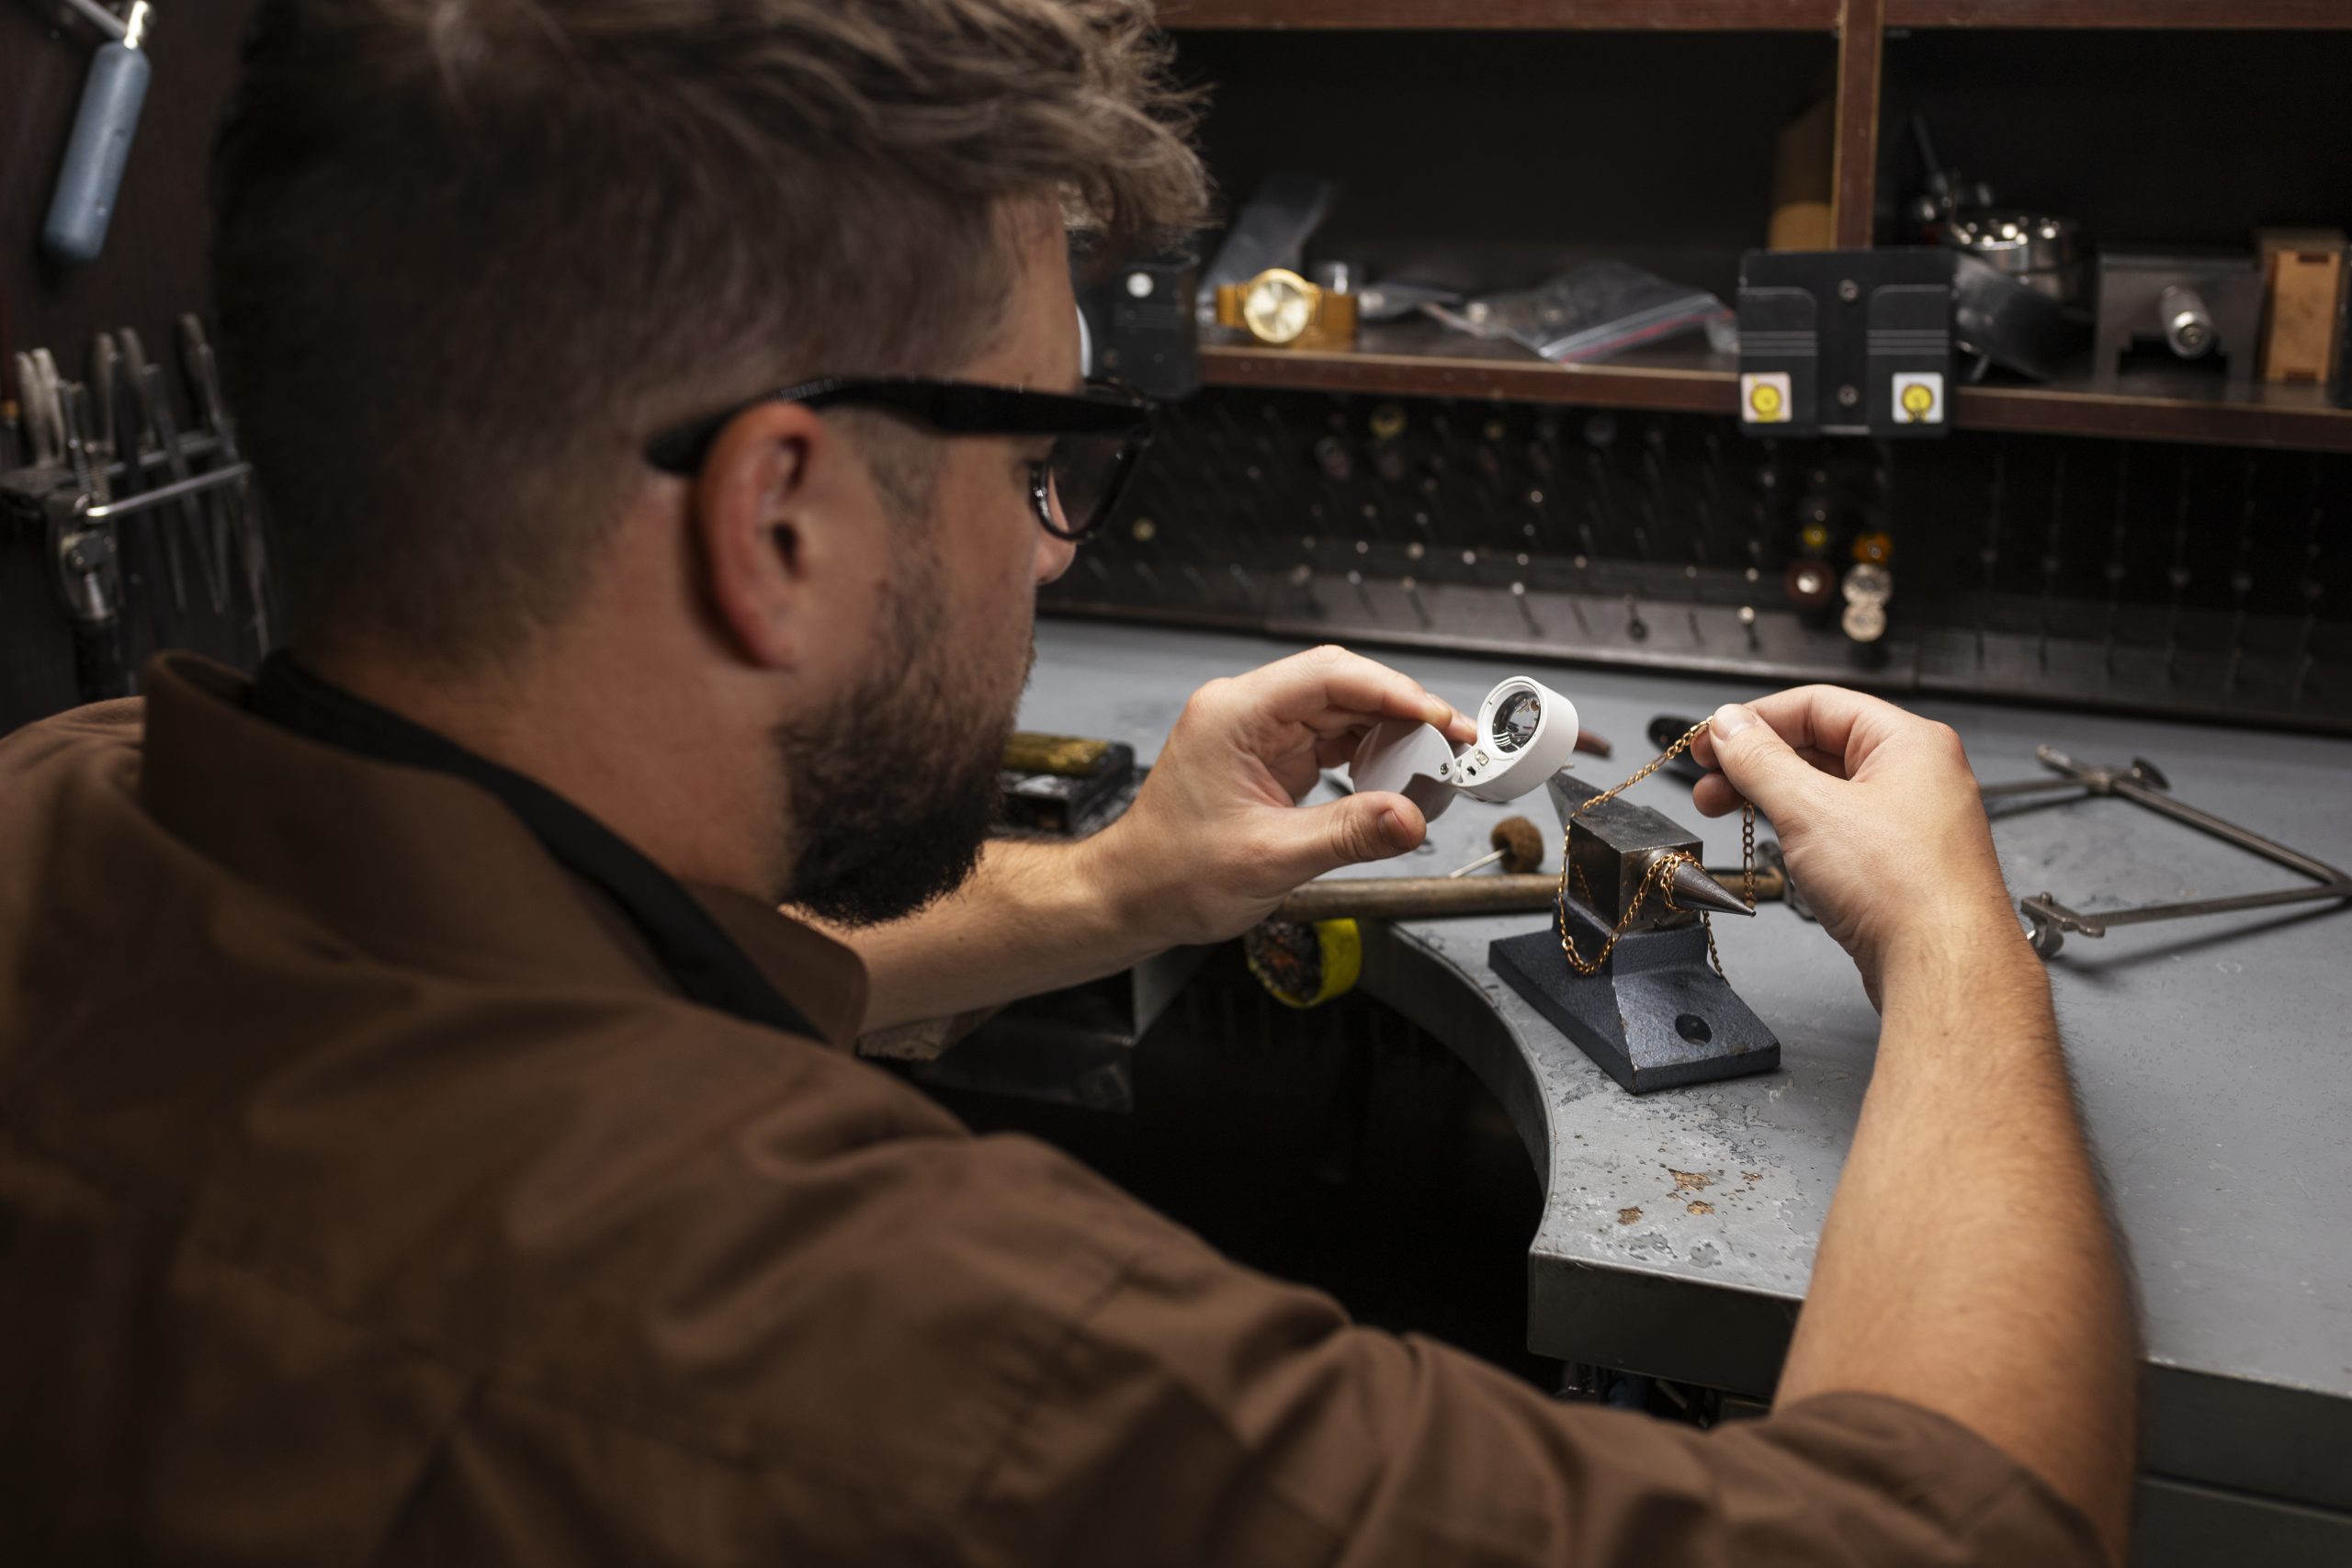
(374, 1188)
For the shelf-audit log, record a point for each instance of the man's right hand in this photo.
(1879, 817)
(1885, 833)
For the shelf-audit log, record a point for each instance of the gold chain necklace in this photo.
(1660, 875)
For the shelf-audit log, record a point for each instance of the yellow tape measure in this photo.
(1304, 966)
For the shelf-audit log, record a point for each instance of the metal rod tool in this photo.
(2143, 785)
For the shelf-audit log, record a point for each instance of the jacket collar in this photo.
(403, 839)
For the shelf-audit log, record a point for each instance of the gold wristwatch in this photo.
(1282, 310)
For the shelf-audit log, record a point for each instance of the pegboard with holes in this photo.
(2183, 580)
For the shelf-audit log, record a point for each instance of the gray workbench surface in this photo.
(1679, 1232)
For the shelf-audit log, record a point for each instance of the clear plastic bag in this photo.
(1592, 312)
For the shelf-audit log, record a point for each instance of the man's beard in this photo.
(894, 786)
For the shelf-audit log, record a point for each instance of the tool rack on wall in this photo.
(2135, 543)
(151, 273)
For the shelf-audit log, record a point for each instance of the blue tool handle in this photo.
(91, 173)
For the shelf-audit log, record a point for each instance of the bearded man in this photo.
(422, 1140)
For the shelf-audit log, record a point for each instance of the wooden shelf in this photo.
(2158, 409)
(2097, 14)
(1615, 16)
(1745, 16)
(1421, 359)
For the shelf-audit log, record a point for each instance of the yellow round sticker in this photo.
(1765, 398)
(1918, 400)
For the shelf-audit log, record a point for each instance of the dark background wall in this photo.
(1488, 159)
(1482, 159)
(2180, 137)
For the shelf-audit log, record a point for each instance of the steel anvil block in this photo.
(1655, 1014)
(1611, 850)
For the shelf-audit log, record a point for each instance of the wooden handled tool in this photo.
(1414, 897)
(1436, 897)
(1518, 843)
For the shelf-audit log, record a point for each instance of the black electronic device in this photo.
(1063, 786)
(2177, 308)
(1141, 326)
(2007, 323)
(1846, 342)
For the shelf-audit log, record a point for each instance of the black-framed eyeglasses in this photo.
(1099, 435)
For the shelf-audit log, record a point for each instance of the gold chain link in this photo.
(1746, 857)
(1653, 765)
(1659, 876)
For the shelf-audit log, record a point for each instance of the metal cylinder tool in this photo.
(2188, 325)
(90, 178)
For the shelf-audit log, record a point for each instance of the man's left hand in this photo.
(1215, 837)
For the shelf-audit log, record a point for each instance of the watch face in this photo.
(1515, 720)
(1277, 306)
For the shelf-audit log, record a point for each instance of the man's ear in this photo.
(758, 505)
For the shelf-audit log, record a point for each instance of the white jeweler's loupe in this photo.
(1526, 733)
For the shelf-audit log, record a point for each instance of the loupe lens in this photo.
(1516, 718)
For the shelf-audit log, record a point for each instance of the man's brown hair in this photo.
(467, 254)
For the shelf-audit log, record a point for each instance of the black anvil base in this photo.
(1657, 1014)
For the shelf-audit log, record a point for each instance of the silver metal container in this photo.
(2043, 252)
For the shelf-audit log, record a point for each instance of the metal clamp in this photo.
(130, 28)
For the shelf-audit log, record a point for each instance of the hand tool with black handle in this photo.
(156, 422)
(137, 545)
(236, 512)
(83, 553)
